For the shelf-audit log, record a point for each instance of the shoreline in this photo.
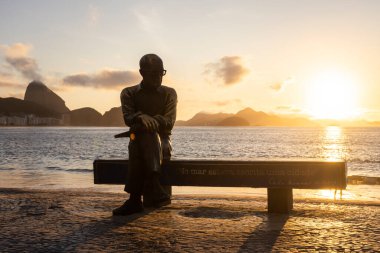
(60, 181)
(183, 192)
(203, 194)
(77, 220)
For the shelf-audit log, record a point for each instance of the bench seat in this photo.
(279, 177)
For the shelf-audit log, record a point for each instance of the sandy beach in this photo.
(81, 221)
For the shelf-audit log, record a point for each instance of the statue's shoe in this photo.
(157, 203)
(129, 207)
(162, 202)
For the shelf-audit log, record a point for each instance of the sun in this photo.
(332, 95)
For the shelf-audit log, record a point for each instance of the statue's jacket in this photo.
(159, 103)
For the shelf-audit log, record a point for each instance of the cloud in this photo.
(276, 86)
(6, 84)
(227, 102)
(26, 66)
(16, 50)
(280, 86)
(106, 79)
(7, 73)
(17, 56)
(229, 69)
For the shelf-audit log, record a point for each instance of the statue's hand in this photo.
(149, 122)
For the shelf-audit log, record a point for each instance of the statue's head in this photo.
(152, 70)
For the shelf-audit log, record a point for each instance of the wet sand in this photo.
(81, 221)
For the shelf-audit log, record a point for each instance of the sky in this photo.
(319, 59)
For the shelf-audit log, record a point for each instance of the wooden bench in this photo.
(279, 177)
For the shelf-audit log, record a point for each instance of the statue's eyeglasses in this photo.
(155, 72)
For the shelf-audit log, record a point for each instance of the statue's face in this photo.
(152, 77)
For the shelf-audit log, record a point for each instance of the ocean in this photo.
(62, 157)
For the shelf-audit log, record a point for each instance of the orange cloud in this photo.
(107, 79)
(280, 86)
(17, 56)
(229, 69)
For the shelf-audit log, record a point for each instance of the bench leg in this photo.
(280, 200)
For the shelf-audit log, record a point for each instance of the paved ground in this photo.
(59, 221)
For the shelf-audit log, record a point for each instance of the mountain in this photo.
(256, 118)
(14, 106)
(233, 121)
(245, 117)
(204, 119)
(85, 117)
(39, 93)
(113, 117)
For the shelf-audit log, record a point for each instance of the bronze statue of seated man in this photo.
(149, 109)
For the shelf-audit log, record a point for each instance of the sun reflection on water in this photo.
(334, 146)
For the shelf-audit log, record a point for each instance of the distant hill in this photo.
(85, 117)
(204, 119)
(14, 106)
(43, 102)
(39, 93)
(113, 117)
(245, 117)
(233, 121)
(256, 118)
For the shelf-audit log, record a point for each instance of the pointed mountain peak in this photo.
(246, 110)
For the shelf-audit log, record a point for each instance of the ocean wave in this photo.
(356, 179)
(7, 169)
(80, 170)
(358, 160)
(54, 168)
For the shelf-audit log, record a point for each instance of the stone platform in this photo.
(80, 221)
